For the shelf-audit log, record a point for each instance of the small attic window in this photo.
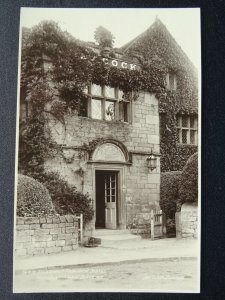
(171, 80)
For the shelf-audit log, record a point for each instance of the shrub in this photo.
(169, 199)
(188, 186)
(33, 199)
(66, 199)
(169, 192)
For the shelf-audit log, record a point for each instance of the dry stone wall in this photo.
(36, 236)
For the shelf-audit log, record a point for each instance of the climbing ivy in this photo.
(74, 65)
(156, 43)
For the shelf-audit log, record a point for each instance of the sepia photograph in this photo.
(107, 171)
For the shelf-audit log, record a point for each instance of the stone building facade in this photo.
(115, 171)
(104, 149)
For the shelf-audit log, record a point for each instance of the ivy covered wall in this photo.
(157, 47)
(74, 65)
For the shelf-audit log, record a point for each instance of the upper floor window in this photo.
(171, 81)
(106, 103)
(187, 130)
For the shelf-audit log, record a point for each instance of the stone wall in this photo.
(36, 236)
(140, 185)
(187, 221)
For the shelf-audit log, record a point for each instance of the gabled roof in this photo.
(158, 27)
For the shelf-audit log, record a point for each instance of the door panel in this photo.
(110, 200)
(106, 199)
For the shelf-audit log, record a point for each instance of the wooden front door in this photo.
(106, 199)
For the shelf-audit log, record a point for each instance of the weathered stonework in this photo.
(36, 236)
(139, 137)
(187, 221)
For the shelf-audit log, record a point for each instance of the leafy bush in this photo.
(169, 199)
(33, 199)
(188, 186)
(66, 199)
(169, 192)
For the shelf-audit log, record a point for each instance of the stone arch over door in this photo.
(110, 151)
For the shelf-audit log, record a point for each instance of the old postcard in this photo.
(108, 151)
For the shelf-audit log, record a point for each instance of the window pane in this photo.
(125, 112)
(193, 122)
(184, 136)
(96, 109)
(192, 137)
(184, 121)
(96, 90)
(110, 92)
(178, 136)
(120, 95)
(109, 110)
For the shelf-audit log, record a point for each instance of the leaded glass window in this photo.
(109, 110)
(187, 130)
(96, 109)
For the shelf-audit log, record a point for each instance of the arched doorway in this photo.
(109, 162)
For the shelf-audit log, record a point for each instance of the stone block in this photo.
(41, 231)
(61, 243)
(70, 229)
(53, 250)
(153, 139)
(19, 221)
(34, 226)
(24, 245)
(49, 226)
(49, 220)
(35, 251)
(62, 225)
(38, 245)
(55, 221)
(21, 252)
(62, 219)
(22, 227)
(154, 178)
(67, 248)
(55, 237)
(188, 230)
(51, 244)
(31, 220)
(69, 224)
(75, 234)
(71, 242)
(41, 238)
(65, 236)
(55, 231)
(43, 220)
(25, 238)
(25, 232)
(193, 219)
